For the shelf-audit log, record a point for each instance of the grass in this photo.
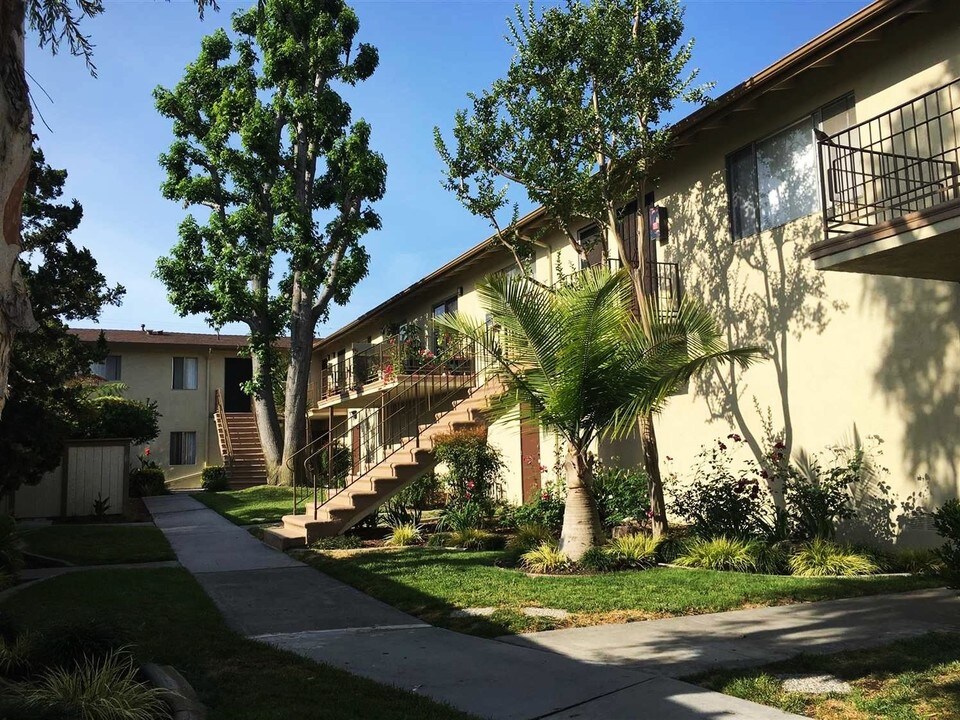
(169, 619)
(907, 680)
(259, 504)
(98, 544)
(430, 583)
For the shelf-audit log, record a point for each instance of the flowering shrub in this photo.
(474, 468)
(725, 499)
(546, 509)
(621, 494)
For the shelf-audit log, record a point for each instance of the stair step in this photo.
(283, 538)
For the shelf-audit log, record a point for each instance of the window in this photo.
(592, 242)
(183, 448)
(185, 373)
(773, 181)
(444, 308)
(109, 369)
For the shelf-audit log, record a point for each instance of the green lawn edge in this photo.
(98, 544)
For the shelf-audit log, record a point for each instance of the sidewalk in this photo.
(269, 596)
(683, 646)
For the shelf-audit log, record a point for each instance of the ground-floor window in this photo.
(183, 448)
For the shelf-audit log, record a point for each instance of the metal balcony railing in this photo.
(902, 161)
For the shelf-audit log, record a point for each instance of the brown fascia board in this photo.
(165, 338)
(861, 23)
(840, 36)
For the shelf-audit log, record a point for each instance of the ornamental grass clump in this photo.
(528, 537)
(634, 551)
(473, 539)
(545, 559)
(822, 558)
(403, 535)
(721, 553)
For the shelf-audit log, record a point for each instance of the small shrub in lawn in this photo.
(545, 559)
(337, 542)
(597, 559)
(773, 558)
(440, 539)
(403, 536)
(473, 539)
(147, 480)
(946, 521)
(621, 494)
(821, 558)
(721, 553)
(468, 516)
(634, 551)
(529, 536)
(94, 689)
(214, 478)
(16, 653)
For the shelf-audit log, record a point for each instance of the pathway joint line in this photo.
(266, 637)
(593, 699)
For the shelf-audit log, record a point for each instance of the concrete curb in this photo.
(177, 693)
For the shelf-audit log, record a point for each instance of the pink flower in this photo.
(649, 513)
(146, 451)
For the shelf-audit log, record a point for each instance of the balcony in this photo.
(662, 285)
(891, 191)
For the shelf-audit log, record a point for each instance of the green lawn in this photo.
(260, 504)
(98, 544)
(908, 680)
(169, 619)
(430, 583)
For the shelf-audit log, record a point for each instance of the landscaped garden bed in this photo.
(907, 680)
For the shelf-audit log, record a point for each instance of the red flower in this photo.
(146, 451)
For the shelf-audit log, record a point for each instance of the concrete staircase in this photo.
(246, 466)
(365, 493)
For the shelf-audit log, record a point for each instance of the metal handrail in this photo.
(455, 370)
(222, 421)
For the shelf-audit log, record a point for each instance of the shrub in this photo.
(634, 551)
(724, 500)
(546, 509)
(817, 499)
(214, 478)
(339, 458)
(469, 516)
(403, 535)
(337, 542)
(773, 558)
(546, 558)
(120, 417)
(473, 466)
(721, 553)
(11, 559)
(407, 506)
(822, 558)
(621, 494)
(946, 521)
(916, 561)
(147, 481)
(528, 537)
(597, 559)
(95, 689)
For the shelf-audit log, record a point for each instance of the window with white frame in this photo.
(185, 373)
(183, 448)
(108, 369)
(775, 180)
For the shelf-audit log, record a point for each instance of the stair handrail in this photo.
(221, 414)
(461, 350)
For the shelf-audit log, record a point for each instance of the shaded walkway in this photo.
(273, 598)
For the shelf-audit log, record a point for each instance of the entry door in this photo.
(236, 371)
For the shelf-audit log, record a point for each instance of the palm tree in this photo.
(575, 358)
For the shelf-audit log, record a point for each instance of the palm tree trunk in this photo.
(651, 462)
(581, 521)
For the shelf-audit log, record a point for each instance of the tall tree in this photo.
(576, 359)
(54, 22)
(577, 123)
(46, 405)
(266, 143)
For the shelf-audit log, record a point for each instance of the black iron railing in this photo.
(390, 422)
(902, 161)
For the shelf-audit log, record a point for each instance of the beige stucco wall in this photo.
(881, 353)
(148, 371)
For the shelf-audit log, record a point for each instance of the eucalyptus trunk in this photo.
(298, 381)
(15, 153)
(265, 412)
(581, 520)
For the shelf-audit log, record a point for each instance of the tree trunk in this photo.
(651, 463)
(15, 145)
(265, 412)
(298, 380)
(581, 521)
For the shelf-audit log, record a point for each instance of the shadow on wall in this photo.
(919, 374)
(764, 291)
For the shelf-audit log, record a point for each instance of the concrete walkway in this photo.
(682, 646)
(273, 598)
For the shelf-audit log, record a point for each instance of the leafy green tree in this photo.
(577, 123)
(47, 404)
(578, 360)
(265, 142)
(54, 22)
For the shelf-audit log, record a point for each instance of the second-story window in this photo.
(444, 308)
(774, 180)
(185, 373)
(109, 369)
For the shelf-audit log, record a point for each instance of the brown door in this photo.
(529, 458)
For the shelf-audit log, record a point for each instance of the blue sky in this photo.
(106, 133)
